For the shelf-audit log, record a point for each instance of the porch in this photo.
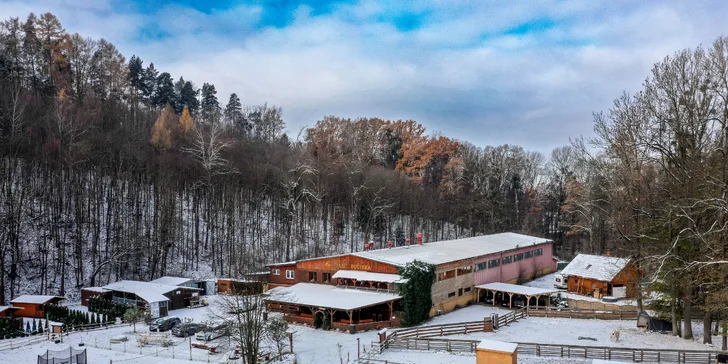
(512, 295)
(327, 307)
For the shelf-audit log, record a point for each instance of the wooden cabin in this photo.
(32, 305)
(598, 276)
(8, 311)
(88, 292)
(238, 286)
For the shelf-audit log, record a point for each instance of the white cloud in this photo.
(457, 73)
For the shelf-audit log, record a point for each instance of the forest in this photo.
(111, 169)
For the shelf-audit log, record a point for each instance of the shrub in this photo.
(417, 292)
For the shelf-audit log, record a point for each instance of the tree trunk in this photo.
(707, 332)
(687, 313)
(673, 311)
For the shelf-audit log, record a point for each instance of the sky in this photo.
(529, 73)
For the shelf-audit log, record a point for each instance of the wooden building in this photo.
(238, 286)
(159, 297)
(176, 281)
(460, 264)
(9, 311)
(349, 309)
(32, 305)
(599, 276)
(88, 292)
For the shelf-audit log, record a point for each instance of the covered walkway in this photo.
(514, 290)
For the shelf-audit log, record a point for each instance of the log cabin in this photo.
(32, 305)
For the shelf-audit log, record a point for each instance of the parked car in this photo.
(164, 324)
(560, 281)
(185, 330)
(212, 333)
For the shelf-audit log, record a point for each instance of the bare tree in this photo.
(243, 314)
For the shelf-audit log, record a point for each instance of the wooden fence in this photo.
(584, 314)
(619, 354)
(459, 328)
(636, 355)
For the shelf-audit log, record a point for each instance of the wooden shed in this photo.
(8, 311)
(88, 292)
(238, 286)
(32, 305)
(599, 276)
(496, 352)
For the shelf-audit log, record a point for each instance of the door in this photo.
(155, 309)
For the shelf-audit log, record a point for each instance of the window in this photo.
(518, 257)
(460, 292)
(494, 263)
(480, 266)
(276, 272)
(289, 274)
(178, 292)
(508, 259)
(327, 277)
(465, 270)
(538, 252)
(466, 290)
(451, 294)
(312, 276)
(446, 275)
(529, 254)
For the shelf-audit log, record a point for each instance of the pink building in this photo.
(508, 265)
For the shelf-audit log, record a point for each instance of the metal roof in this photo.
(596, 267)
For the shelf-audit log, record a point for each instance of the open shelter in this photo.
(514, 290)
(350, 309)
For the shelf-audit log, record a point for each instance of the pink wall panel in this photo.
(509, 272)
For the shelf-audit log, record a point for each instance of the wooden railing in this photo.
(459, 328)
(583, 314)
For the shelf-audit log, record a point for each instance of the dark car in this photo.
(164, 324)
(185, 330)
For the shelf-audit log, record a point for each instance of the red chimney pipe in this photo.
(407, 241)
(389, 244)
(419, 238)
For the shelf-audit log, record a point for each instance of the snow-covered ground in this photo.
(317, 346)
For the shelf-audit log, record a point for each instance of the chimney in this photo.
(407, 241)
(419, 238)
(608, 254)
(389, 244)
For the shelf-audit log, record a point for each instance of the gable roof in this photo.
(328, 296)
(36, 299)
(448, 251)
(595, 267)
(150, 292)
(171, 281)
(361, 275)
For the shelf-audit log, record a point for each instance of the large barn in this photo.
(461, 265)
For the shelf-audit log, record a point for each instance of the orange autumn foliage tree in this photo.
(185, 121)
(163, 129)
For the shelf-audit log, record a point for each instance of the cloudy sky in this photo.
(489, 72)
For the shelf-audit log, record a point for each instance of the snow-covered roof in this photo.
(324, 295)
(447, 251)
(280, 264)
(516, 289)
(368, 276)
(4, 308)
(595, 267)
(171, 281)
(95, 289)
(499, 346)
(37, 299)
(150, 292)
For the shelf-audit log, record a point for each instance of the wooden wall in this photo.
(346, 262)
(29, 310)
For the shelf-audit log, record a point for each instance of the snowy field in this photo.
(317, 346)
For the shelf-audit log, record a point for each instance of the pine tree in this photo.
(188, 98)
(149, 84)
(210, 106)
(234, 115)
(27, 326)
(164, 91)
(35, 326)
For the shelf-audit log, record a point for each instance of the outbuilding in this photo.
(32, 305)
(89, 292)
(160, 297)
(599, 276)
(8, 311)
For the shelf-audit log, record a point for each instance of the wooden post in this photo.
(358, 348)
(290, 341)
